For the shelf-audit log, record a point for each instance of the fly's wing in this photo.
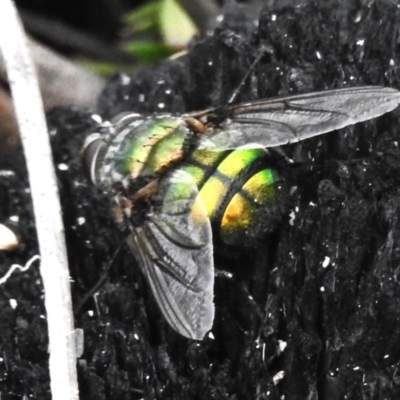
(175, 252)
(280, 121)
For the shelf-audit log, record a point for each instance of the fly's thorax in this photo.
(138, 147)
(241, 193)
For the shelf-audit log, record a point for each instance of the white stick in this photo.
(54, 266)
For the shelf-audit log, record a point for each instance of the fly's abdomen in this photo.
(240, 193)
(248, 212)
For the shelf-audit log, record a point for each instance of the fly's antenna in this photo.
(263, 50)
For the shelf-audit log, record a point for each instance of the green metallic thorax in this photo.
(143, 148)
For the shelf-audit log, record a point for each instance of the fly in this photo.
(177, 180)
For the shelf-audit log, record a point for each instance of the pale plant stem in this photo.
(46, 205)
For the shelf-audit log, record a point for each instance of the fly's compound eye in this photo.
(90, 152)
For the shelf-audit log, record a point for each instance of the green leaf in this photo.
(176, 26)
(147, 51)
(101, 67)
(143, 18)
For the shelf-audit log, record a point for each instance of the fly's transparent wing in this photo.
(175, 252)
(280, 121)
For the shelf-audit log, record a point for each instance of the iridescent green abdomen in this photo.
(238, 191)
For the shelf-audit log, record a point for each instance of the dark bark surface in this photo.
(326, 308)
